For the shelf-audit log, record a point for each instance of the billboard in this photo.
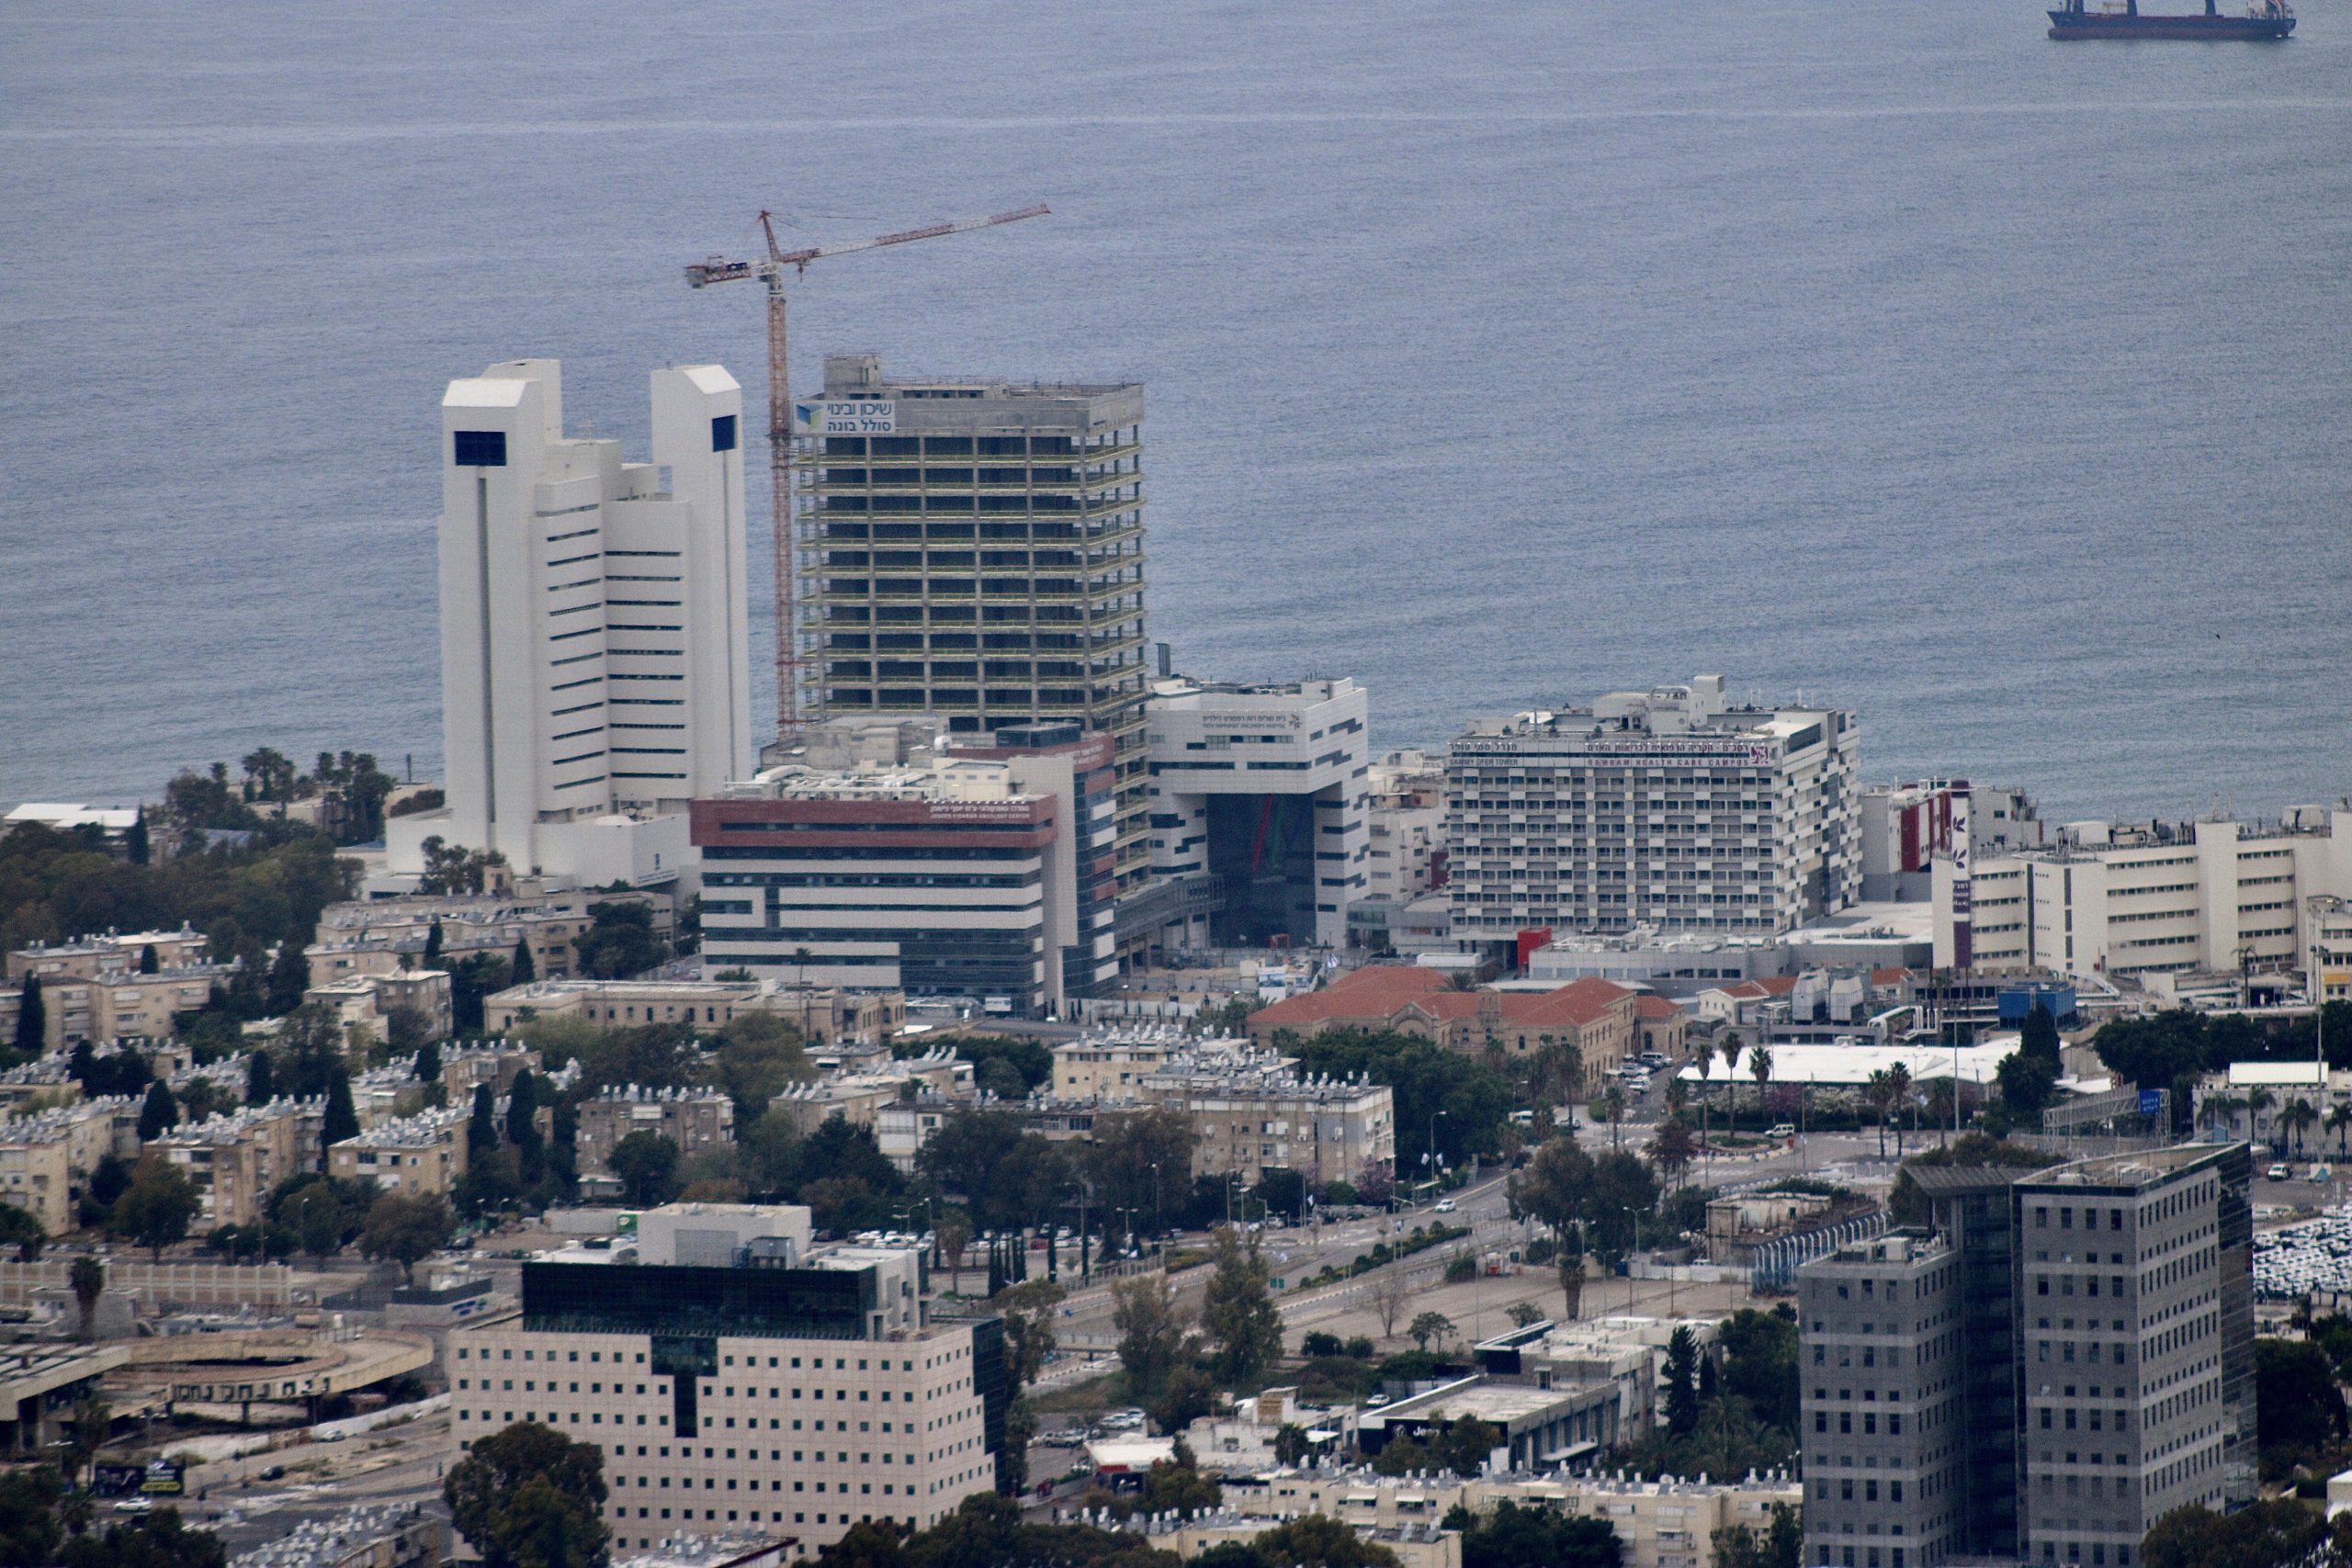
(849, 416)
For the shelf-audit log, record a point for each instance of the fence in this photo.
(1777, 1262)
(160, 1285)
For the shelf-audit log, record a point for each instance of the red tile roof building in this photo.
(1597, 1017)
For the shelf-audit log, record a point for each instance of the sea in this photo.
(1886, 355)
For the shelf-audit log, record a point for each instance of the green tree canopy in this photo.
(156, 1209)
(1239, 1311)
(527, 1497)
(619, 941)
(2264, 1535)
(647, 1166)
(407, 1228)
(1532, 1535)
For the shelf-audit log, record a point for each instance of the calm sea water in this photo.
(1495, 355)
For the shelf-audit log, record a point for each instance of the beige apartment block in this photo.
(118, 1005)
(46, 1159)
(1113, 1066)
(694, 1118)
(236, 1158)
(377, 935)
(86, 958)
(497, 1064)
(421, 1153)
(824, 1015)
(1252, 1117)
(862, 1093)
(365, 1003)
(1658, 1523)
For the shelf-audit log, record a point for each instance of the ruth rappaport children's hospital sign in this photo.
(849, 416)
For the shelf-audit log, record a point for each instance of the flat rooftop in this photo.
(1498, 1403)
(2142, 1169)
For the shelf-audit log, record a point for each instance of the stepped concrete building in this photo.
(593, 653)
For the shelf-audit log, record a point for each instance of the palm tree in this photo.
(2298, 1115)
(1613, 1102)
(1880, 1093)
(1703, 1058)
(2223, 1109)
(2259, 1100)
(88, 1278)
(1760, 1063)
(1899, 1077)
(2339, 1117)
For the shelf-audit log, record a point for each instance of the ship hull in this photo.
(2070, 25)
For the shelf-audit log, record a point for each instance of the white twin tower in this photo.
(594, 651)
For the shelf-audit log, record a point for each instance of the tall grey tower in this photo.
(974, 549)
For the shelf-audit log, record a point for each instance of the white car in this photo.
(134, 1506)
(1445, 1205)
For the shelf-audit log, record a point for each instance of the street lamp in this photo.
(1631, 1242)
(1429, 1156)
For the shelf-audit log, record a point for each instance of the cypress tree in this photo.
(148, 963)
(343, 1119)
(260, 1084)
(32, 1018)
(481, 1130)
(290, 977)
(428, 1062)
(160, 1114)
(521, 1102)
(433, 943)
(525, 971)
(136, 839)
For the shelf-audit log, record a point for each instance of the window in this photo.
(479, 448)
(722, 434)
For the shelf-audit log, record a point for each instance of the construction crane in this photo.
(772, 271)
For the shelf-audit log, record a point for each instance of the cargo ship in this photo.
(2262, 19)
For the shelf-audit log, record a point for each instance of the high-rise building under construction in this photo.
(974, 549)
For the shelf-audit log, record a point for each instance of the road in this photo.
(400, 1464)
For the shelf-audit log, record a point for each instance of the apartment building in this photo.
(423, 1154)
(364, 1004)
(981, 558)
(383, 936)
(694, 1118)
(497, 1064)
(89, 957)
(236, 1158)
(1667, 1523)
(1669, 808)
(95, 990)
(594, 652)
(736, 1378)
(2127, 903)
(47, 1158)
(1880, 1372)
(1262, 791)
(932, 1084)
(1252, 1117)
(1112, 1064)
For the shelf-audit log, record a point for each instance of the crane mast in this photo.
(772, 271)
